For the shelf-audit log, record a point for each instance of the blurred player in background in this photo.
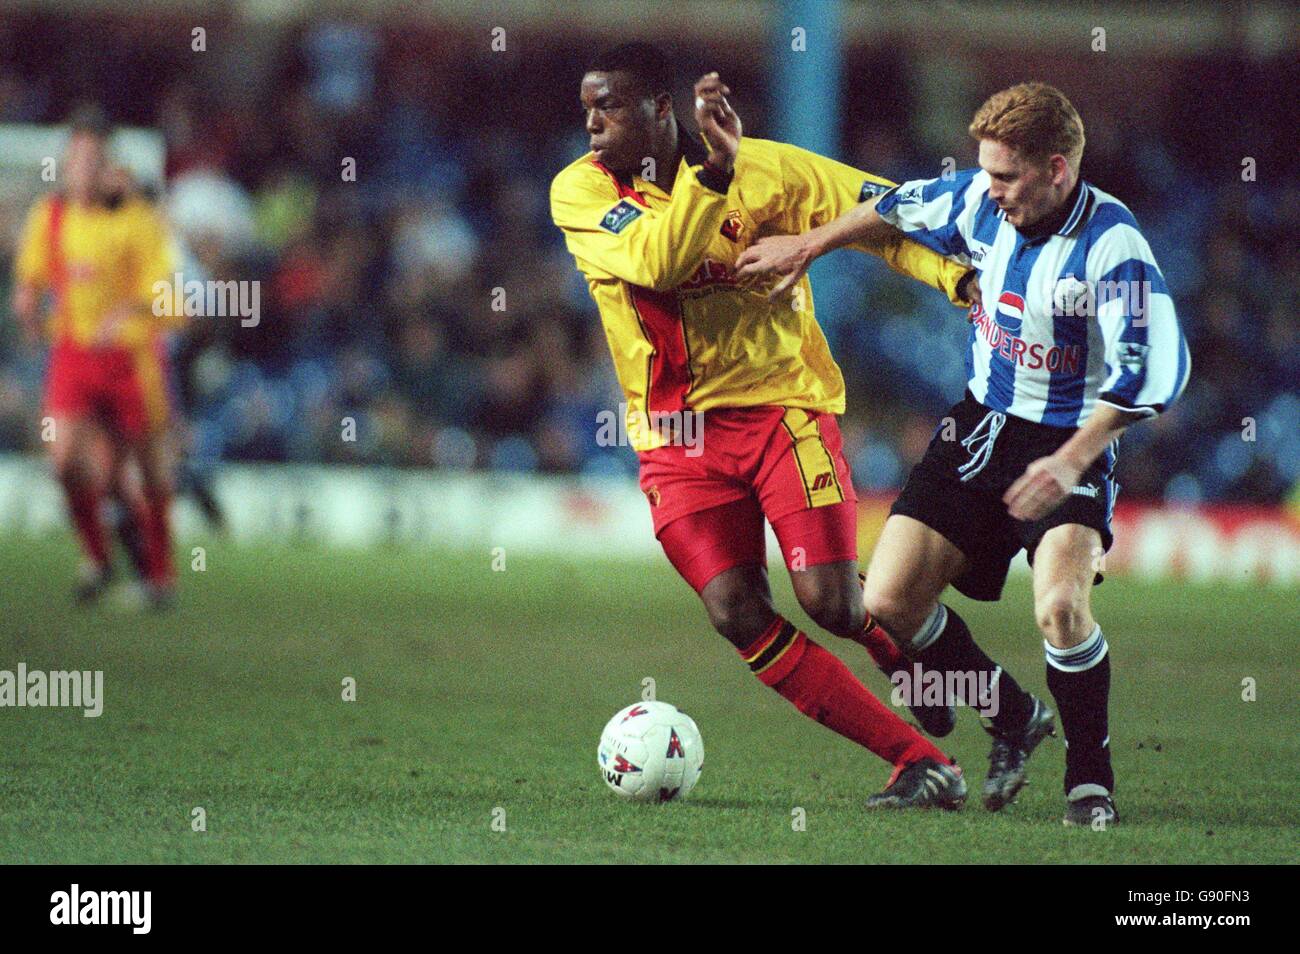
(1081, 342)
(655, 221)
(98, 249)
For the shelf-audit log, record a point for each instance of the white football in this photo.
(651, 752)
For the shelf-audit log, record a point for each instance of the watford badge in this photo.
(731, 228)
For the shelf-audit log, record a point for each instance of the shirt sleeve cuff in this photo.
(1140, 410)
(715, 179)
(961, 290)
(887, 204)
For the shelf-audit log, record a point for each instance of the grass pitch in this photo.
(481, 695)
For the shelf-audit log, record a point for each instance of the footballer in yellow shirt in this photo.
(97, 254)
(731, 394)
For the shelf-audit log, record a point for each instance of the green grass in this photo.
(480, 690)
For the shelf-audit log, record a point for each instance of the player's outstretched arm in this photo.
(787, 257)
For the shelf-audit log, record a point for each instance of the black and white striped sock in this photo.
(944, 643)
(1079, 679)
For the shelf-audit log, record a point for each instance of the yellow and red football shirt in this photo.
(661, 270)
(93, 258)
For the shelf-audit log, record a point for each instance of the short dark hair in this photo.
(90, 118)
(648, 66)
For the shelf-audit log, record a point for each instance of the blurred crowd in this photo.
(388, 188)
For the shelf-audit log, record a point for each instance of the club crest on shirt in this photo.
(1132, 356)
(617, 218)
(732, 227)
(1071, 296)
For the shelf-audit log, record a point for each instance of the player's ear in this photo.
(1058, 168)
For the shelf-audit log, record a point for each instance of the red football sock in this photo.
(823, 688)
(884, 651)
(158, 539)
(83, 505)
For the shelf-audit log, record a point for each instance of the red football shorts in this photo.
(124, 388)
(708, 501)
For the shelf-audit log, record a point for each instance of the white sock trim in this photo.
(1084, 791)
(930, 629)
(1078, 658)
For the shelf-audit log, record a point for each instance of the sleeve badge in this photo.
(617, 218)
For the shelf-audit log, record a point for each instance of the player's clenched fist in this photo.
(718, 122)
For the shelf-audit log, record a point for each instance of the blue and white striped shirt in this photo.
(1069, 319)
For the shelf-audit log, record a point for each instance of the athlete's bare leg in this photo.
(911, 566)
(739, 603)
(831, 594)
(1064, 565)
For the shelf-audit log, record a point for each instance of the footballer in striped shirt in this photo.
(1073, 339)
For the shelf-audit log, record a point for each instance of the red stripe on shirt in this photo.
(670, 373)
(661, 317)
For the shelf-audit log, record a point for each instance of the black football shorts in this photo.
(957, 489)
